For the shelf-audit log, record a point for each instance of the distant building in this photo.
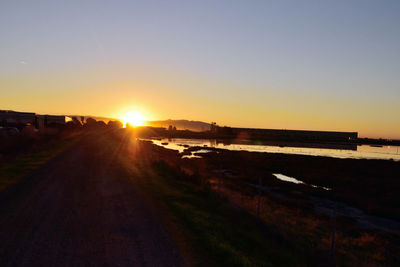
(213, 127)
(171, 128)
(43, 121)
(287, 135)
(9, 117)
(20, 119)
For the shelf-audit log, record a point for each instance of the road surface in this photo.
(79, 209)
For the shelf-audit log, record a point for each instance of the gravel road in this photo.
(81, 210)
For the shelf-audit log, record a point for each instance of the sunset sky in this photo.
(317, 65)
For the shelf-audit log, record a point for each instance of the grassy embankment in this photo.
(226, 235)
(207, 228)
(12, 169)
(286, 234)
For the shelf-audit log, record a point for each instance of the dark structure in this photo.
(16, 119)
(284, 135)
(21, 119)
(43, 121)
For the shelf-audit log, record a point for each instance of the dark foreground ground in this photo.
(81, 209)
(101, 198)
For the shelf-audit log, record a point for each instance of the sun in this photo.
(133, 118)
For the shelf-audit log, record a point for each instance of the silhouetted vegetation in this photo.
(115, 124)
(90, 123)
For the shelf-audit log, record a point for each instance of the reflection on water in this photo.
(287, 178)
(196, 154)
(326, 150)
(191, 156)
(294, 180)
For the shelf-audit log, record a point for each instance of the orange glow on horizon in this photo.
(134, 118)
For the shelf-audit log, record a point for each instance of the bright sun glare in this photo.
(133, 118)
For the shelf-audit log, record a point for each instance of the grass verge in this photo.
(12, 170)
(219, 233)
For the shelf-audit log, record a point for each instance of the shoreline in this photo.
(366, 184)
(323, 150)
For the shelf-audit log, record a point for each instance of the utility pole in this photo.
(259, 197)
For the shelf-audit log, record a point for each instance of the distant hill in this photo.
(197, 126)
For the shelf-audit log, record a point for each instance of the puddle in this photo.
(287, 178)
(191, 156)
(295, 181)
(323, 187)
(194, 154)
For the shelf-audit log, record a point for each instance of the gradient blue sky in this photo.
(325, 65)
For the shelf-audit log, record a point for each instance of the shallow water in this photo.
(287, 178)
(355, 152)
(195, 154)
(295, 181)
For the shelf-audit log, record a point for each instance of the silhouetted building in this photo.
(10, 117)
(287, 135)
(43, 121)
(16, 119)
(213, 127)
(20, 119)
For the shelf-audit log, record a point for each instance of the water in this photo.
(342, 151)
(295, 181)
(196, 153)
(287, 178)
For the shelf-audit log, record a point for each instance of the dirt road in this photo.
(81, 210)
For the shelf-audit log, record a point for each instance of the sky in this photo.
(311, 65)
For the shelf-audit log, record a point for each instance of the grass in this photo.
(221, 234)
(12, 170)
